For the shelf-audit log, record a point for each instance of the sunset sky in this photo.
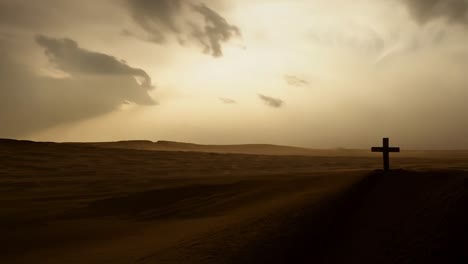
(311, 73)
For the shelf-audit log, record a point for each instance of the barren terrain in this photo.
(89, 203)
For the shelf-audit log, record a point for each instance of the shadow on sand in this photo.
(388, 217)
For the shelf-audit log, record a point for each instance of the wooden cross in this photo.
(386, 149)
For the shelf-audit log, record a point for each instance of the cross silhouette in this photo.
(386, 149)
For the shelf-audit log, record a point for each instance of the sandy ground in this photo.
(73, 203)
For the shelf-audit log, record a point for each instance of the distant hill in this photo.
(255, 149)
(269, 149)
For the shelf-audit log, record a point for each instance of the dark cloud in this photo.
(271, 101)
(29, 102)
(160, 18)
(216, 30)
(227, 100)
(67, 56)
(423, 11)
(157, 17)
(295, 81)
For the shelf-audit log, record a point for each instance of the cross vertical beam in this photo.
(386, 154)
(386, 149)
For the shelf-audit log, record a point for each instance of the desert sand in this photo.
(136, 202)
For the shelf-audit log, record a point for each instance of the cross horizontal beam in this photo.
(382, 149)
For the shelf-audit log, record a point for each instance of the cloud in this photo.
(295, 81)
(98, 85)
(344, 35)
(227, 100)
(157, 17)
(216, 31)
(67, 56)
(423, 11)
(271, 101)
(186, 20)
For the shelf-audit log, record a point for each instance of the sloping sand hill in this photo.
(74, 203)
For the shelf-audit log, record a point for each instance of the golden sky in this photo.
(312, 73)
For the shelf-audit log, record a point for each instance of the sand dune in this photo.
(82, 203)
